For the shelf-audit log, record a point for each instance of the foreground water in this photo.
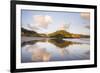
(41, 50)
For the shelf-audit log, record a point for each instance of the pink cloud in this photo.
(85, 15)
(42, 21)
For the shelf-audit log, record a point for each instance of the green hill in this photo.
(57, 34)
(60, 34)
(25, 32)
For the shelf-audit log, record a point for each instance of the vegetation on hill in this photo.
(58, 34)
(25, 32)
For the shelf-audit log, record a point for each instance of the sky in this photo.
(51, 21)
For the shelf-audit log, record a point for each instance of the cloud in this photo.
(85, 15)
(42, 20)
(39, 23)
(63, 26)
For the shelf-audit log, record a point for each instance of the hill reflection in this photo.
(57, 42)
(61, 43)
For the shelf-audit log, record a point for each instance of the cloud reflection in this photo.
(38, 53)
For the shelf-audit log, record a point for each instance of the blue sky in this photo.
(75, 21)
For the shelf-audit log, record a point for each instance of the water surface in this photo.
(44, 50)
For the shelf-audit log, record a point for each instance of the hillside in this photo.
(25, 32)
(60, 34)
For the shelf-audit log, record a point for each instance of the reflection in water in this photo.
(40, 54)
(31, 42)
(61, 43)
(54, 50)
(57, 42)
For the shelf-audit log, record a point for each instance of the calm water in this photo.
(41, 50)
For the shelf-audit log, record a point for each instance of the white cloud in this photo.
(42, 20)
(48, 19)
(63, 26)
(39, 23)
